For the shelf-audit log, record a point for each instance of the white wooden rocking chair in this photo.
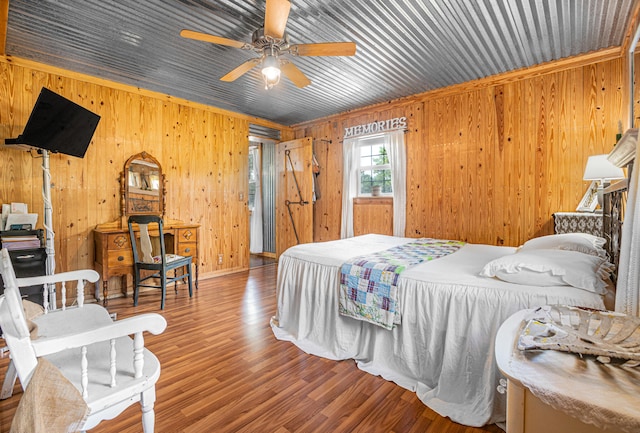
(51, 325)
(97, 355)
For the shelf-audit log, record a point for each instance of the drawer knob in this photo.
(187, 250)
(120, 258)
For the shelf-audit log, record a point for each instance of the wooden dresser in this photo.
(114, 258)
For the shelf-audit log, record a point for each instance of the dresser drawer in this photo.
(118, 241)
(187, 235)
(188, 249)
(119, 258)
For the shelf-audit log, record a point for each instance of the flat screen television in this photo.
(58, 125)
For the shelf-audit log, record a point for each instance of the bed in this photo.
(443, 347)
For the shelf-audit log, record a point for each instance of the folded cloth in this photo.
(31, 311)
(50, 404)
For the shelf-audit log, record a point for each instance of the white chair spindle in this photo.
(138, 355)
(80, 292)
(112, 366)
(84, 375)
(45, 298)
(63, 295)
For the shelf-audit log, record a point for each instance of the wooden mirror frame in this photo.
(142, 200)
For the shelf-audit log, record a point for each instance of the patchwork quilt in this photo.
(369, 284)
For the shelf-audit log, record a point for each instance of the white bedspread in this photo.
(443, 350)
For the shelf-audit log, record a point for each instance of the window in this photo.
(387, 166)
(374, 168)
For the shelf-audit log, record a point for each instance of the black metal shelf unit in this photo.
(27, 262)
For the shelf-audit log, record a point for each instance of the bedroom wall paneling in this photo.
(490, 161)
(203, 151)
(373, 215)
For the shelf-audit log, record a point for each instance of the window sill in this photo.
(373, 200)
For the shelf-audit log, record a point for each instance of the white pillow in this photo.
(581, 242)
(551, 268)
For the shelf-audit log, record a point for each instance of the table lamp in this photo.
(600, 169)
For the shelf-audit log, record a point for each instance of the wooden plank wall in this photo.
(373, 215)
(488, 162)
(203, 153)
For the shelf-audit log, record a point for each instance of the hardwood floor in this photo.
(224, 371)
(258, 260)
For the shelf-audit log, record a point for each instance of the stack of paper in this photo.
(18, 221)
(20, 242)
(15, 216)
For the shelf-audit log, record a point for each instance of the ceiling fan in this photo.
(271, 42)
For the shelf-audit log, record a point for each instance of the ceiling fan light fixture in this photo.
(272, 43)
(270, 71)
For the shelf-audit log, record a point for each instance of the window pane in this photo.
(380, 155)
(366, 181)
(365, 150)
(365, 156)
(370, 178)
(378, 177)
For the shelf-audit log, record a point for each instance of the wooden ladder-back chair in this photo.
(110, 369)
(151, 255)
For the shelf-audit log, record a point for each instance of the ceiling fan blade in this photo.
(275, 18)
(240, 70)
(324, 49)
(292, 72)
(190, 34)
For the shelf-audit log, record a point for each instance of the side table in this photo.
(608, 407)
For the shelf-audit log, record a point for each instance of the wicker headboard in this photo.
(614, 200)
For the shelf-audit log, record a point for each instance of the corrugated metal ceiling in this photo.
(404, 46)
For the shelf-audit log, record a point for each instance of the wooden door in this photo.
(294, 193)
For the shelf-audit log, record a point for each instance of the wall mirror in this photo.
(142, 185)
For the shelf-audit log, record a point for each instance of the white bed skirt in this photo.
(443, 350)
